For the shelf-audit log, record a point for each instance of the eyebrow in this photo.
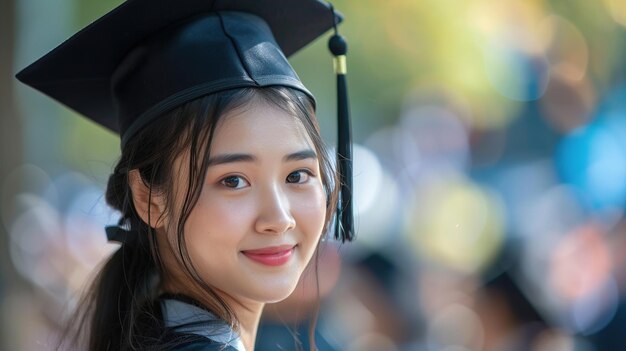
(300, 155)
(232, 158)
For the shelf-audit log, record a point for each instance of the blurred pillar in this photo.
(11, 154)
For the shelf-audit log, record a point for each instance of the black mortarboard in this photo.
(146, 57)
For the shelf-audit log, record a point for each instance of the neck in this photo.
(248, 316)
(247, 313)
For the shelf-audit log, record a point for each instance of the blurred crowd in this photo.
(490, 182)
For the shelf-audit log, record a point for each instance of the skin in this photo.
(262, 189)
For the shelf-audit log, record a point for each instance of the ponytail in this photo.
(120, 309)
(123, 300)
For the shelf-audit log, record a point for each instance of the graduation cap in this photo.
(147, 57)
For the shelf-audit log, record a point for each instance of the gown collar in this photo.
(185, 317)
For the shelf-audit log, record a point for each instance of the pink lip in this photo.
(271, 256)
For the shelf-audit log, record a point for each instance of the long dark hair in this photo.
(120, 310)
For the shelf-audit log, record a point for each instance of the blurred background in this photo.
(490, 171)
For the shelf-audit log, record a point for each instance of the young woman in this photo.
(224, 185)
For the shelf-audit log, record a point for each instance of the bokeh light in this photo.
(456, 326)
(593, 160)
(617, 9)
(457, 224)
(567, 50)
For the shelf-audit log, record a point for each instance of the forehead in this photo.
(259, 125)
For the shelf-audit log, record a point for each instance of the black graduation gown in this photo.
(204, 344)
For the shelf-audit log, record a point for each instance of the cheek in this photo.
(310, 214)
(217, 224)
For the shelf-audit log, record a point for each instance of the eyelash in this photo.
(305, 171)
(231, 177)
(240, 178)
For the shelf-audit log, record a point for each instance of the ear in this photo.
(149, 206)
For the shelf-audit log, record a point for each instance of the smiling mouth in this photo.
(271, 256)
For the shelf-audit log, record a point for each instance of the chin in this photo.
(271, 293)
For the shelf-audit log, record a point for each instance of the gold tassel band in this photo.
(340, 64)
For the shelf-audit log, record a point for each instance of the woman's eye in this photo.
(234, 182)
(300, 176)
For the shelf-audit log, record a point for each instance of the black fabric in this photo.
(184, 64)
(197, 343)
(148, 56)
(203, 346)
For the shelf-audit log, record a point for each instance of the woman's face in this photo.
(262, 208)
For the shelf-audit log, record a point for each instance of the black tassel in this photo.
(344, 229)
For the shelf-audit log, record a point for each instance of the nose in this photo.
(274, 213)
